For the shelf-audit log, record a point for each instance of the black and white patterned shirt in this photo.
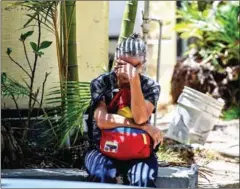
(105, 86)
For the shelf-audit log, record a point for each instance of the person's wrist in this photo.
(145, 127)
(134, 77)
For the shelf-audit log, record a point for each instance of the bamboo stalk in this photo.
(128, 20)
(58, 47)
(65, 43)
(72, 43)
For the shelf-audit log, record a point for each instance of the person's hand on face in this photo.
(128, 67)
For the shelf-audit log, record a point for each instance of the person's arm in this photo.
(141, 109)
(109, 121)
(142, 105)
(103, 118)
(106, 120)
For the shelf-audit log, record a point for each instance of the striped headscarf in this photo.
(132, 46)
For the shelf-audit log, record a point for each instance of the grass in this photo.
(177, 154)
(232, 113)
(168, 155)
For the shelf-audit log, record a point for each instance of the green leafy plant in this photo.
(43, 45)
(211, 62)
(76, 99)
(65, 32)
(30, 72)
(65, 36)
(215, 30)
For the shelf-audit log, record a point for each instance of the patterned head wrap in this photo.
(132, 46)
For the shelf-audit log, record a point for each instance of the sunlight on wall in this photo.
(92, 27)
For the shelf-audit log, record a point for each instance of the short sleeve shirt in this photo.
(104, 87)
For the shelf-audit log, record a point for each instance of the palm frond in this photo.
(44, 9)
(69, 106)
(11, 87)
